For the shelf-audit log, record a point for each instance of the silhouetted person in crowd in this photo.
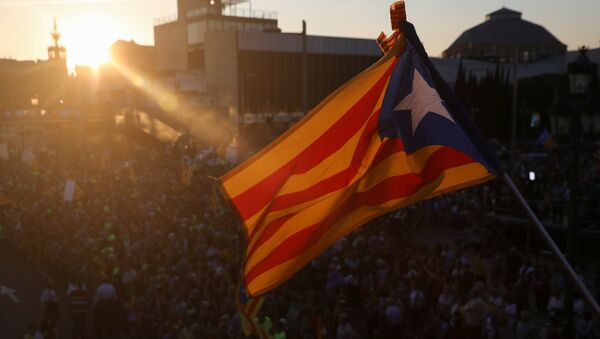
(79, 304)
(50, 299)
(104, 308)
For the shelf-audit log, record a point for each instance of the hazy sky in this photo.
(90, 26)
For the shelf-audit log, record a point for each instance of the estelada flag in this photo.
(390, 137)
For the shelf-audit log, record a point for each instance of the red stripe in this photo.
(339, 181)
(332, 183)
(390, 189)
(256, 197)
(271, 229)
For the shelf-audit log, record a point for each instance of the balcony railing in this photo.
(165, 19)
(253, 14)
(230, 12)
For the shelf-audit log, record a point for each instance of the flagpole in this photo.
(398, 18)
(589, 298)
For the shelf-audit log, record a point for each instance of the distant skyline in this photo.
(89, 27)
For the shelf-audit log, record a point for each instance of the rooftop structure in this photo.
(56, 51)
(179, 38)
(506, 37)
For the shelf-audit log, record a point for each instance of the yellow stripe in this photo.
(350, 222)
(332, 165)
(451, 180)
(308, 130)
(318, 209)
(336, 162)
(396, 164)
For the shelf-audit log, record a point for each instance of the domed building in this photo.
(503, 37)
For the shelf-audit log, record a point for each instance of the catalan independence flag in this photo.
(392, 136)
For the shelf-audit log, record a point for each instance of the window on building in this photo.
(196, 32)
(215, 25)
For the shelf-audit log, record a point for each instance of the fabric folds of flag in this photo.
(390, 137)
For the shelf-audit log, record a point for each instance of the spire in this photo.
(55, 34)
(56, 51)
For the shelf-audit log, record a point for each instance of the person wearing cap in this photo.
(104, 307)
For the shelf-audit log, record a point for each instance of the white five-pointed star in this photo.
(422, 100)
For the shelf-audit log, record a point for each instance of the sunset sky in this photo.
(89, 27)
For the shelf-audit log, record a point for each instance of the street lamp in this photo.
(581, 73)
(34, 102)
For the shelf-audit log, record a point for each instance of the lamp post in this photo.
(581, 74)
(34, 102)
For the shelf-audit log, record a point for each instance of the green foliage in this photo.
(489, 99)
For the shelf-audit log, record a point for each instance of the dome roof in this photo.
(505, 27)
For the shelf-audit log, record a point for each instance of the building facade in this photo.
(25, 86)
(506, 38)
(259, 77)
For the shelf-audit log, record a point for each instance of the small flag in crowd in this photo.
(248, 309)
(392, 136)
(187, 173)
(546, 139)
(72, 191)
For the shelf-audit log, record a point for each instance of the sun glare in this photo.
(88, 39)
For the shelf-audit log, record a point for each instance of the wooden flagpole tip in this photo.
(381, 41)
(397, 14)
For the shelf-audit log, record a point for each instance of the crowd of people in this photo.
(554, 179)
(142, 252)
(554, 186)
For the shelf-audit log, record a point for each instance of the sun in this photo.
(88, 38)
